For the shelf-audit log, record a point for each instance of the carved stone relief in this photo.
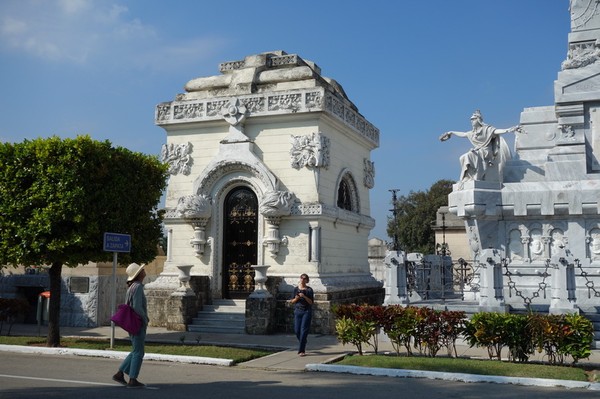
(515, 245)
(369, 170)
(581, 54)
(309, 151)
(536, 245)
(558, 242)
(276, 203)
(234, 113)
(178, 156)
(193, 207)
(593, 241)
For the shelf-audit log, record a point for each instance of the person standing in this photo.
(135, 298)
(303, 298)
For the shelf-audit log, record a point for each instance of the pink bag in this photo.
(127, 319)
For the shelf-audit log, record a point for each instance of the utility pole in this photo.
(394, 210)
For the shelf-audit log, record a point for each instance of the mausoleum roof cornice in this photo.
(315, 99)
(266, 84)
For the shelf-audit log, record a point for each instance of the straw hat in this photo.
(133, 270)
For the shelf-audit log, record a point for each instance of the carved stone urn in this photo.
(184, 278)
(260, 278)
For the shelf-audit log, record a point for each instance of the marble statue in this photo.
(489, 149)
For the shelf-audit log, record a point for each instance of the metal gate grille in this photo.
(240, 243)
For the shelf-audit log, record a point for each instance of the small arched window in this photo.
(347, 194)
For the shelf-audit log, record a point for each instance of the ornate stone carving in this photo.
(196, 209)
(309, 151)
(188, 111)
(273, 206)
(178, 156)
(369, 170)
(276, 203)
(163, 112)
(234, 113)
(285, 102)
(581, 54)
(312, 100)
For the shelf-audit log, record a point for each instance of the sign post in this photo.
(115, 243)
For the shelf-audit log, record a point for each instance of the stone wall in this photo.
(323, 321)
(175, 312)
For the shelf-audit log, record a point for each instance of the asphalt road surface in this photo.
(24, 376)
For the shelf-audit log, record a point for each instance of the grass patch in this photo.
(473, 366)
(238, 355)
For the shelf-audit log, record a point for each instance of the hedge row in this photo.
(428, 331)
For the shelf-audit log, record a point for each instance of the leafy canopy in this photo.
(59, 196)
(415, 213)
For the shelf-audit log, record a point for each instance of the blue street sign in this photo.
(115, 242)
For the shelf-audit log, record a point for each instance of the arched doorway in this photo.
(240, 227)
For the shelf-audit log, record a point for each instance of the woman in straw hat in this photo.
(135, 298)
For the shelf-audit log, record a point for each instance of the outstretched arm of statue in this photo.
(447, 135)
(517, 129)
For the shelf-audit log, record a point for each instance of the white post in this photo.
(490, 299)
(562, 299)
(113, 300)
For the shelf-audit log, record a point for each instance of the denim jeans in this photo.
(302, 320)
(133, 362)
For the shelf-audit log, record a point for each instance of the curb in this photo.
(461, 377)
(116, 355)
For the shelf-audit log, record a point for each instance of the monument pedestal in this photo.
(260, 315)
(182, 308)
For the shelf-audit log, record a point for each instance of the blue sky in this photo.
(415, 69)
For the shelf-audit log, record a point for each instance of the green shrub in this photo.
(487, 329)
(400, 325)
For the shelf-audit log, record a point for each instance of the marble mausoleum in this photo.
(270, 174)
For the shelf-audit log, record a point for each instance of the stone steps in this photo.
(223, 316)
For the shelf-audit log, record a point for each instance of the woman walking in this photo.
(303, 298)
(135, 298)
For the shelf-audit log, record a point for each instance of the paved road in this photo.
(26, 376)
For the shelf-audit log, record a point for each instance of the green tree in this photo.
(414, 214)
(59, 196)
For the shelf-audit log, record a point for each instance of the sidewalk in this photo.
(321, 351)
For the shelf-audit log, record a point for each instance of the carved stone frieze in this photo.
(581, 54)
(296, 101)
(188, 111)
(178, 157)
(369, 170)
(311, 151)
(290, 102)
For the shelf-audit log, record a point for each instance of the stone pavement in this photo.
(322, 350)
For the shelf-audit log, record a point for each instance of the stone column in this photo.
(396, 292)
(491, 298)
(563, 298)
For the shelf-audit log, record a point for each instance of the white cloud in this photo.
(88, 33)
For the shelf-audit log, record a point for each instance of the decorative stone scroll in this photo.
(196, 210)
(178, 156)
(369, 170)
(309, 151)
(273, 206)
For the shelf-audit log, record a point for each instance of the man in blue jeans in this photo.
(303, 298)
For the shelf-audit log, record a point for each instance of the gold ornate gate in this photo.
(239, 243)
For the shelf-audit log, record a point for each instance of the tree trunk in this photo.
(54, 307)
